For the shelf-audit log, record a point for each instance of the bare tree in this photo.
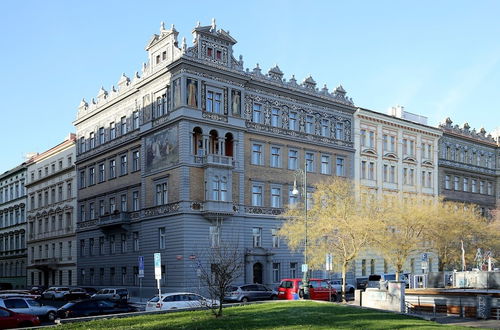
(223, 264)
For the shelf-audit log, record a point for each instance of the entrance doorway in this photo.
(257, 273)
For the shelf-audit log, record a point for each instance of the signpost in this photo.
(425, 262)
(141, 274)
(157, 260)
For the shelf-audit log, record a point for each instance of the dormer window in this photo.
(210, 52)
(218, 55)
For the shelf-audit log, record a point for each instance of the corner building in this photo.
(195, 152)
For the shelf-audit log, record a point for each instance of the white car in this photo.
(337, 285)
(178, 300)
(55, 293)
(29, 306)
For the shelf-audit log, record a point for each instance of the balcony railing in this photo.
(46, 261)
(115, 219)
(214, 159)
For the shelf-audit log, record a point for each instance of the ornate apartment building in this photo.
(197, 151)
(51, 186)
(13, 227)
(469, 166)
(396, 153)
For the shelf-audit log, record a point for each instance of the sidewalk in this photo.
(465, 322)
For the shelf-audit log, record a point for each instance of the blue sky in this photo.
(436, 58)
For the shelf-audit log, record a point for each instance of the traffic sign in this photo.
(424, 256)
(157, 257)
(141, 266)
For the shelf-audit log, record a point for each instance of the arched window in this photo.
(223, 188)
(215, 188)
(229, 145)
(198, 142)
(214, 142)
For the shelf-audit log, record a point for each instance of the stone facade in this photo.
(197, 151)
(394, 156)
(51, 227)
(13, 227)
(469, 166)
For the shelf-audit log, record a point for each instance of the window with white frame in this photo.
(481, 187)
(123, 125)
(162, 238)
(339, 131)
(92, 140)
(257, 157)
(123, 165)
(123, 203)
(325, 127)
(257, 236)
(275, 157)
(429, 179)
(340, 168)
(276, 239)
(466, 184)
(363, 169)
(310, 161)
(474, 185)
(91, 175)
(257, 113)
(292, 198)
(102, 208)
(275, 117)
(112, 204)
(102, 136)
(101, 174)
(446, 182)
(82, 183)
(490, 188)
(161, 193)
(362, 137)
(293, 159)
(135, 120)
(325, 164)
(112, 169)
(256, 195)
(456, 182)
(385, 173)
(371, 139)
(275, 197)
(214, 236)
(135, 201)
(309, 124)
(136, 159)
(214, 101)
(412, 176)
(371, 171)
(135, 241)
(219, 188)
(276, 272)
(112, 130)
(292, 121)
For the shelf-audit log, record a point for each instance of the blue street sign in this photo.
(157, 266)
(424, 256)
(141, 266)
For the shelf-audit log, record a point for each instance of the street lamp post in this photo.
(295, 191)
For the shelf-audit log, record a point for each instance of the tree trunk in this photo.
(399, 270)
(344, 272)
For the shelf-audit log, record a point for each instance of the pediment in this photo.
(391, 155)
(410, 159)
(427, 162)
(370, 151)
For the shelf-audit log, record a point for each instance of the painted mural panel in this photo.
(162, 149)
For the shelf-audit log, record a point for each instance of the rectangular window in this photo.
(136, 158)
(292, 159)
(412, 176)
(102, 176)
(481, 187)
(112, 169)
(123, 245)
(292, 198)
(275, 157)
(257, 195)
(91, 246)
(325, 164)
(446, 182)
(91, 210)
(466, 184)
(339, 131)
(340, 167)
(385, 139)
(309, 124)
(82, 247)
(310, 162)
(112, 130)
(275, 117)
(112, 205)
(276, 238)
(363, 267)
(371, 170)
(161, 193)
(92, 141)
(490, 188)
(102, 209)
(91, 176)
(362, 137)
(82, 216)
(456, 182)
(474, 186)
(135, 121)
(112, 244)
(363, 169)
(276, 272)
(214, 102)
(123, 125)
(386, 173)
(405, 146)
(257, 112)
(275, 197)
(423, 179)
(392, 144)
(101, 245)
(257, 158)
(162, 238)
(292, 121)
(257, 237)
(135, 201)
(135, 239)
(82, 182)
(293, 270)
(429, 179)
(325, 127)
(112, 274)
(371, 139)
(123, 203)
(214, 236)
(412, 148)
(102, 137)
(372, 266)
(123, 165)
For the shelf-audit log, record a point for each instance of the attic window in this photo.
(157, 59)
(164, 55)
(209, 52)
(218, 54)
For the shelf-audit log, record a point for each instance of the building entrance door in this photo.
(257, 273)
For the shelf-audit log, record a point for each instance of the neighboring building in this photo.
(13, 227)
(51, 216)
(396, 153)
(197, 152)
(469, 166)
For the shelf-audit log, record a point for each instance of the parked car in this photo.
(89, 307)
(337, 284)
(319, 289)
(362, 282)
(38, 290)
(249, 292)
(10, 319)
(112, 294)
(76, 293)
(29, 306)
(177, 300)
(89, 290)
(376, 280)
(55, 292)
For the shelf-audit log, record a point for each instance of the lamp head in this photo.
(295, 191)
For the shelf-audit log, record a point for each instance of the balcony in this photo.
(46, 263)
(214, 160)
(110, 221)
(217, 209)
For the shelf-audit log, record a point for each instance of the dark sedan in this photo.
(77, 294)
(93, 307)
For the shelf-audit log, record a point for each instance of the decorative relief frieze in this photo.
(86, 224)
(466, 167)
(214, 116)
(161, 210)
(263, 210)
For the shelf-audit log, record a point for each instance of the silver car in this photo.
(244, 293)
(29, 306)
